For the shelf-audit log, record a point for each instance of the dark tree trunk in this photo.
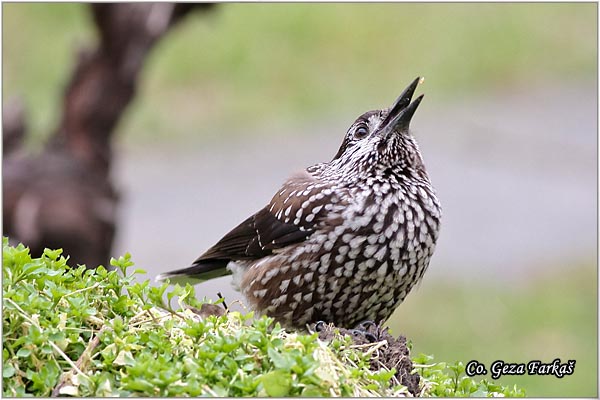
(63, 197)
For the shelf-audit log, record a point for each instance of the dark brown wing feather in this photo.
(281, 223)
(275, 226)
(255, 238)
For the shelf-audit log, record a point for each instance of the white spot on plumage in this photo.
(288, 196)
(284, 269)
(339, 305)
(389, 232)
(308, 314)
(338, 231)
(395, 253)
(381, 253)
(370, 250)
(402, 270)
(288, 315)
(270, 308)
(352, 254)
(320, 239)
(268, 275)
(399, 217)
(321, 288)
(283, 286)
(357, 241)
(382, 270)
(280, 300)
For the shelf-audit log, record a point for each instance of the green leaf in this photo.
(124, 358)
(52, 254)
(280, 361)
(23, 352)
(8, 371)
(276, 383)
(313, 391)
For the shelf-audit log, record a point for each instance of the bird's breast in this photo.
(367, 251)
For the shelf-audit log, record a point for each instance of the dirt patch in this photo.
(394, 354)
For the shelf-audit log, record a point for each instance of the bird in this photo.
(342, 241)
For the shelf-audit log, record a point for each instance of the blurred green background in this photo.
(296, 61)
(267, 66)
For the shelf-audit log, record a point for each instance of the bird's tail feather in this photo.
(198, 272)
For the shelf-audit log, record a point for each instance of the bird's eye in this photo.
(361, 132)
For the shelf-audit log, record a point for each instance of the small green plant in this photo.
(440, 379)
(82, 332)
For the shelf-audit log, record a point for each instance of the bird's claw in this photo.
(319, 326)
(367, 329)
(367, 335)
(366, 325)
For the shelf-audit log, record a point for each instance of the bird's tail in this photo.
(198, 272)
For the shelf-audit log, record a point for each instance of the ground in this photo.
(393, 354)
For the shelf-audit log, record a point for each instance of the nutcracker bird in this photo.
(343, 241)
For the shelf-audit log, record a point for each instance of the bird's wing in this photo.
(290, 217)
(255, 238)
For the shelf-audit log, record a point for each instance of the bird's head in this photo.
(380, 139)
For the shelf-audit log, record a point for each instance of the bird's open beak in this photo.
(401, 112)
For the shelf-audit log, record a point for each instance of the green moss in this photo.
(80, 332)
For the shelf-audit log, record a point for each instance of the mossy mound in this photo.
(94, 332)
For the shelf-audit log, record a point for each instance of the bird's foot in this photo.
(319, 326)
(365, 332)
(367, 329)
